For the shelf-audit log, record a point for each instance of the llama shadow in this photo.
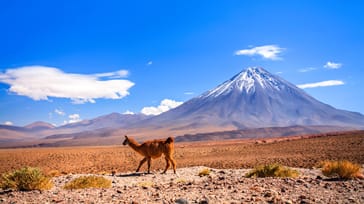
(132, 174)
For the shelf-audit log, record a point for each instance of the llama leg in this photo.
(167, 165)
(141, 163)
(149, 162)
(173, 164)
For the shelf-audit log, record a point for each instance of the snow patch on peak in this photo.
(246, 81)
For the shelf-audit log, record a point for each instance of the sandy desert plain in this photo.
(228, 160)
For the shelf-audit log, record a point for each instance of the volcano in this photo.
(253, 98)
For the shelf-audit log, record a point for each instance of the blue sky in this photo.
(64, 61)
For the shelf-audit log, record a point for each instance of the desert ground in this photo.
(228, 160)
(298, 152)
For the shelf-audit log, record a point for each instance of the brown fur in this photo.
(153, 149)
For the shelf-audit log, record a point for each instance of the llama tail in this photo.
(170, 140)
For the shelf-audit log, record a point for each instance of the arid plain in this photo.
(304, 152)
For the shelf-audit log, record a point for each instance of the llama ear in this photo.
(126, 137)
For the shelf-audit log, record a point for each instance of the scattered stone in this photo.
(181, 201)
(204, 202)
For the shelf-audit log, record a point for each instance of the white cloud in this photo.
(164, 106)
(332, 65)
(149, 63)
(40, 82)
(189, 93)
(128, 112)
(321, 84)
(8, 123)
(267, 51)
(114, 75)
(73, 118)
(59, 112)
(307, 69)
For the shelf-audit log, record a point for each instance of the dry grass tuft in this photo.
(204, 172)
(53, 173)
(180, 180)
(146, 184)
(341, 169)
(88, 182)
(26, 179)
(272, 170)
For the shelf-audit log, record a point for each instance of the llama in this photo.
(153, 149)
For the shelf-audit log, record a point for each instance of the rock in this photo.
(307, 185)
(304, 201)
(205, 201)
(300, 181)
(351, 199)
(302, 197)
(181, 201)
(288, 202)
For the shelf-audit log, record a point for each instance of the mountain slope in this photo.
(251, 99)
(113, 120)
(39, 125)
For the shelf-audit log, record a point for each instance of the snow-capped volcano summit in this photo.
(246, 81)
(254, 98)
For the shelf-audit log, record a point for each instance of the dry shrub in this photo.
(204, 172)
(88, 182)
(181, 180)
(341, 169)
(104, 173)
(26, 179)
(53, 173)
(146, 184)
(272, 170)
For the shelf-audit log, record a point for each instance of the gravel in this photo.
(220, 186)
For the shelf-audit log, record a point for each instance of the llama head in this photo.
(126, 141)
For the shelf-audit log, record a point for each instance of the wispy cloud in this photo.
(307, 69)
(8, 123)
(321, 84)
(149, 63)
(333, 65)
(113, 75)
(40, 83)
(59, 112)
(270, 52)
(164, 106)
(189, 93)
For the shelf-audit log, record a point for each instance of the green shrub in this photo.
(26, 179)
(204, 172)
(341, 169)
(88, 182)
(272, 170)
